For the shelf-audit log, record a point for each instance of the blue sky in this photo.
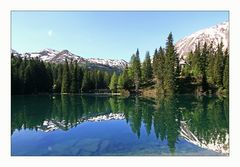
(114, 35)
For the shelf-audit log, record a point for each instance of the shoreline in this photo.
(131, 94)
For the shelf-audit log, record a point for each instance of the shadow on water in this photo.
(206, 118)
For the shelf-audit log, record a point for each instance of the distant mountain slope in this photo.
(54, 56)
(215, 34)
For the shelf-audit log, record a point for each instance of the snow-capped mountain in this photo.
(54, 56)
(215, 34)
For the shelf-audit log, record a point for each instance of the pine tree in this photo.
(66, 78)
(58, 85)
(171, 72)
(226, 71)
(210, 67)
(49, 76)
(219, 66)
(203, 66)
(120, 84)
(155, 62)
(187, 68)
(101, 79)
(16, 84)
(136, 67)
(97, 79)
(196, 61)
(85, 82)
(160, 70)
(28, 79)
(113, 83)
(73, 87)
(147, 70)
(106, 79)
(79, 78)
(126, 80)
(131, 70)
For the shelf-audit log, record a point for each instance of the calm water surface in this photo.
(106, 125)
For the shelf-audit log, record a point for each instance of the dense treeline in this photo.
(31, 76)
(206, 70)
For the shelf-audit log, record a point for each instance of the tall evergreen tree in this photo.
(74, 79)
(49, 74)
(203, 66)
(196, 61)
(219, 66)
(136, 66)
(155, 62)
(79, 78)
(171, 63)
(131, 70)
(210, 67)
(126, 79)
(58, 84)
(86, 82)
(147, 70)
(65, 79)
(106, 78)
(113, 83)
(160, 70)
(120, 84)
(28, 79)
(226, 71)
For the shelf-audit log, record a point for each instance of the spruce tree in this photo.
(147, 70)
(73, 87)
(85, 81)
(58, 85)
(65, 88)
(113, 83)
(226, 71)
(120, 84)
(196, 62)
(170, 75)
(160, 70)
(101, 79)
(136, 66)
(131, 69)
(203, 66)
(219, 66)
(210, 66)
(49, 74)
(79, 78)
(106, 79)
(155, 62)
(126, 80)
(28, 79)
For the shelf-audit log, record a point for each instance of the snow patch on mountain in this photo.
(54, 56)
(214, 34)
(110, 62)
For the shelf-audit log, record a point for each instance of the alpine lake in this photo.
(102, 125)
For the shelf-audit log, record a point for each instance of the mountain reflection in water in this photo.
(202, 121)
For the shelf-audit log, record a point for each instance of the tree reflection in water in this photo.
(206, 117)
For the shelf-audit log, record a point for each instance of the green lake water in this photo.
(112, 125)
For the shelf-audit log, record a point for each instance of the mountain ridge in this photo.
(54, 56)
(214, 34)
